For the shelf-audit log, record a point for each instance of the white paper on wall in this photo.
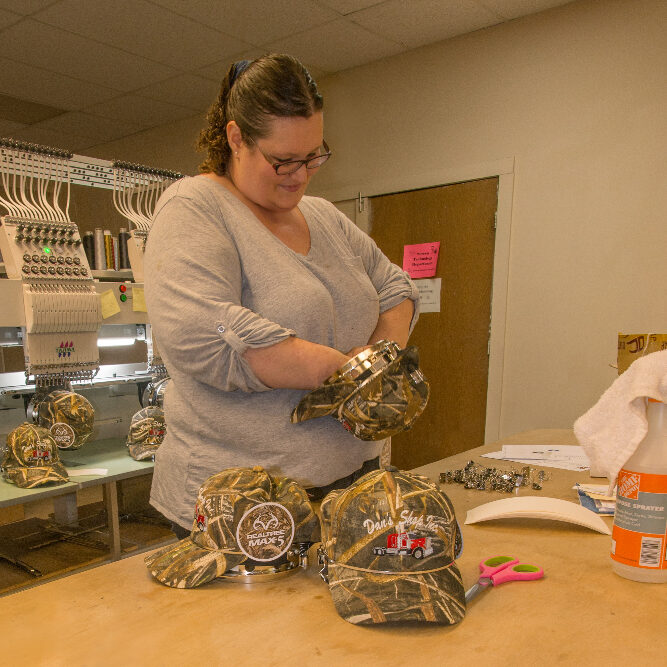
(429, 291)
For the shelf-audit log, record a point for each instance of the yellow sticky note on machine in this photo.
(138, 300)
(109, 304)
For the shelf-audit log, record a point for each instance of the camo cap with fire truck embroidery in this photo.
(389, 542)
(147, 431)
(31, 457)
(241, 514)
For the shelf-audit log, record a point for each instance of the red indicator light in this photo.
(123, 298)
(123, 288)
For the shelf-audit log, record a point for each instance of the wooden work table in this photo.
(580, 613)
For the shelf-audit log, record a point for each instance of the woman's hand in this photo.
(356, 350)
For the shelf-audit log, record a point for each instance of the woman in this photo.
(257, 294)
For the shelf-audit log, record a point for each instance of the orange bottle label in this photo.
(639, 536)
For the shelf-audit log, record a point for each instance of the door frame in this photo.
(383, 184)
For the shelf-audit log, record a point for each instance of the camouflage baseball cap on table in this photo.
(375, 395)
(241, 515)
(389, 542)
(147, 431)
(31, 458)
(67, 415)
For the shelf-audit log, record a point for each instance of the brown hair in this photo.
(251, 92)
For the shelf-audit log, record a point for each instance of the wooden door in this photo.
(453, 344)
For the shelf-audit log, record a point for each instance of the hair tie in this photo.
(237, 69)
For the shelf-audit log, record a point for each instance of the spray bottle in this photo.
(639, 536)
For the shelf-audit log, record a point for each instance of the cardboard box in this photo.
(633, 346)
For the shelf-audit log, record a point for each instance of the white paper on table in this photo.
(595, 491)
(540, 463)
(82, 472)
(538, 507)
(567, 457)
(572, 453)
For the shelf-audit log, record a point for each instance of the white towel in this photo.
(611, 430)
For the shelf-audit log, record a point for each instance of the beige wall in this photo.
(577, 97)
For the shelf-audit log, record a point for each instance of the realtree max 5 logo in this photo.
(63, 434)
(265, 532)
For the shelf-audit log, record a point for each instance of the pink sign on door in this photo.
(420, 260)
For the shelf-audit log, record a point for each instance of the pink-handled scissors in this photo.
(499, 569)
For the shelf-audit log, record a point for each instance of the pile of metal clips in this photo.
(475, 476)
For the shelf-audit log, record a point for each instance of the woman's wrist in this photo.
(294, 363)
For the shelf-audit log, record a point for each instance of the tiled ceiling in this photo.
(78, 73)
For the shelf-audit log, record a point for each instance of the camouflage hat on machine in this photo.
(242, 516)
(389, 542)
(376, 394)
(67, 415)
(147, 430)
(31, 458)
(153, 394)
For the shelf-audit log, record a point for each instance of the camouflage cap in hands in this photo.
(389, 542)
(147, 431)
(67, 415)
(31, 458)
(377, 394)
(241, 515)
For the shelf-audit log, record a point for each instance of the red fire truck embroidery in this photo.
(405, 544)
(200, 518)
(40, 454)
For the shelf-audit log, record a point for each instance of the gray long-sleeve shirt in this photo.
(218, 282)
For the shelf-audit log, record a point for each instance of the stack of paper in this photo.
(568, 457)
(594, 497)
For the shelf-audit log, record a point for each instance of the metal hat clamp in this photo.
(376, 394)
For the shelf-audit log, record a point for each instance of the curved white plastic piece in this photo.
(538, 507)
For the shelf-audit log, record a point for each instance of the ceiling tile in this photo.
(344, 7)
(511, 9)
(88, 125)
(38, 85)
(217, 70)
(329, 47)
(22, 111)
(144, 29)
(140, 111)
(253, 21)
(8, 127)
(24, 7)
(7, 18)
(188, 90)
(61, 51)
(52, 139)
(427, 21)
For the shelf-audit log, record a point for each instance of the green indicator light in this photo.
(123, 298)
(47, 250)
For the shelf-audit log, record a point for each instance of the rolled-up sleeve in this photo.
(393, 285)
(193, 284)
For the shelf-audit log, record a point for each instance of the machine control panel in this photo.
(42, 249)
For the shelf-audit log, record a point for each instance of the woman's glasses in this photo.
(285, 167)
